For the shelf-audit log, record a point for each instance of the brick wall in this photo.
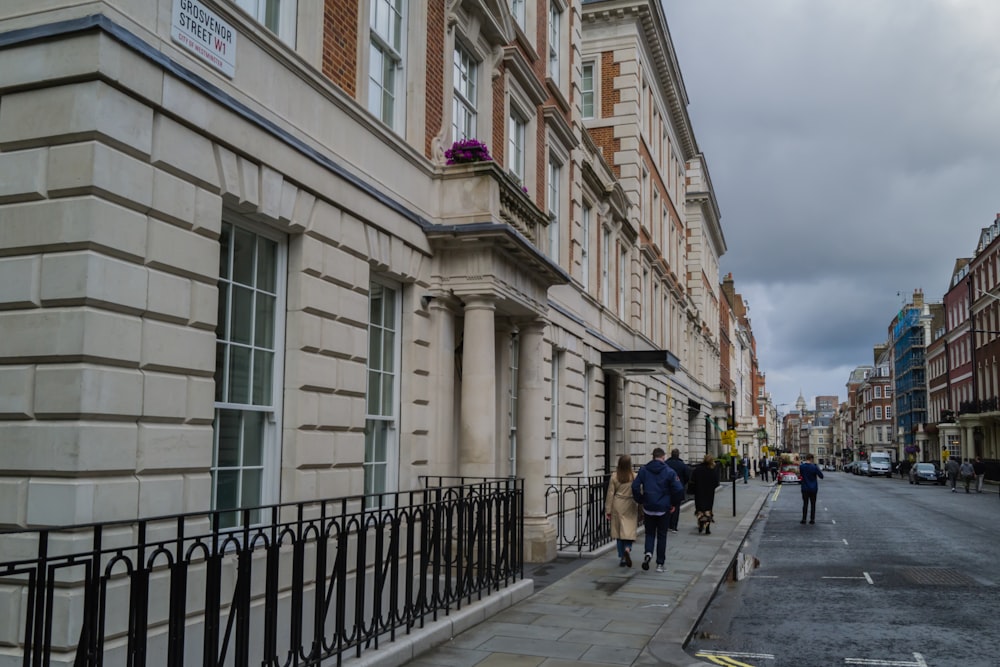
(436, 58)
(340, 43)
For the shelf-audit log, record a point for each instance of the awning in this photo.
(640, 362)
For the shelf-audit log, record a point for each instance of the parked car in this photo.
(861, 468)
(789, 474)
(849, 466)
(926, 472)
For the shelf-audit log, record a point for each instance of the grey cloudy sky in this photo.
(854, 146)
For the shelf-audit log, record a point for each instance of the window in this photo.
(515, 351)
(247, 372)
(554, 416)
(382, 404)
(385, 64)
(278, 16)
(587, 91)
(554, 177)
(555, 30)
(888, 412)
(466, 72)
(515, 145)
(517, 11)
(878, 391)
(585, 249)
(622, 261)
(878, 412)
(606, 267)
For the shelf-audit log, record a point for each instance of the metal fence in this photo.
(296, 584)
(575, 505)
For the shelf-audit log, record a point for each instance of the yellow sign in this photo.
(733, 451)
(945, 453)
(728, 438)
(764, 450)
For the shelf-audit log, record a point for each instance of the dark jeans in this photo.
(656, 533)
(809, 503)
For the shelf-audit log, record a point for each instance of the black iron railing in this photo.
(976, 407)
(307, 583)
(575, 505)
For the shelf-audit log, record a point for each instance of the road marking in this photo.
(868, 577)
(726, 662)
(918, 662)
(845, 578)
(727, 658)
(833, 521)
(845, 541)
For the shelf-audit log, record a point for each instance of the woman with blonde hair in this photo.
(622, 510)
(704, 481)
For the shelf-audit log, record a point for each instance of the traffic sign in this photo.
(729, 438)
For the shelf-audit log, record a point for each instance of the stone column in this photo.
(444, 452)
(532, 443)
(478, 421)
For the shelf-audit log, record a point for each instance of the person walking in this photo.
(659, 491)
(621, 510)
(811, 474)
(968, 473)
(704, 481)
(684, 474)
(951, 467)
(980, 468)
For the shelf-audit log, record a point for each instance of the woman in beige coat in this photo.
(622, 510)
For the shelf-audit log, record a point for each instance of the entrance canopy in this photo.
(640, 362)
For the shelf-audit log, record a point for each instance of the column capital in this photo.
(479, 302)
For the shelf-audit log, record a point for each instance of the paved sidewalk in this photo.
(600, 613)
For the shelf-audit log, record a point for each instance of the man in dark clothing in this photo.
(683, 474)
(810, 474)
(660, 493)
(980, 469)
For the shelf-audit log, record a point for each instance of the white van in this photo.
(879, 463)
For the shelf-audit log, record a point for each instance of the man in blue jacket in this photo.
(810, 474)
(660, 493)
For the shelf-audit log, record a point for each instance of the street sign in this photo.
(729, 438)
(764, 450)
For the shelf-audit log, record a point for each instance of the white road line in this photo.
(844, 578)
(918, 662)
(868, 577)
(845, 541)
(728, 654)
(833, 521)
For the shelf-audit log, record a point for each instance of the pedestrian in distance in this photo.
(621, 510)
(704, 481)
(951, 467)
(980, 468)
(659, 491)
(968, 473)
(684, 474)
(810, 474)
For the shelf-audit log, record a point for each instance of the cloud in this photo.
(853, 150)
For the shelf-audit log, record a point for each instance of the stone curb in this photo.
(666, 648)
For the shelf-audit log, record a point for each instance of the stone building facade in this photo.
(241, 272)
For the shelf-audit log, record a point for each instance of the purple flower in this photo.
(467, 150)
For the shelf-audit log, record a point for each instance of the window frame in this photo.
(588, 93)
(287, 16)
(466, 70)
(378, 42)
(270, 426)
(390, 464)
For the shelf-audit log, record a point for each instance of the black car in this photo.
(926, 472)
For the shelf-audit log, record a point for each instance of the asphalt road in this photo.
(891, 574)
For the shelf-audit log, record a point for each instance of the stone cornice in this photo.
(656, 38)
